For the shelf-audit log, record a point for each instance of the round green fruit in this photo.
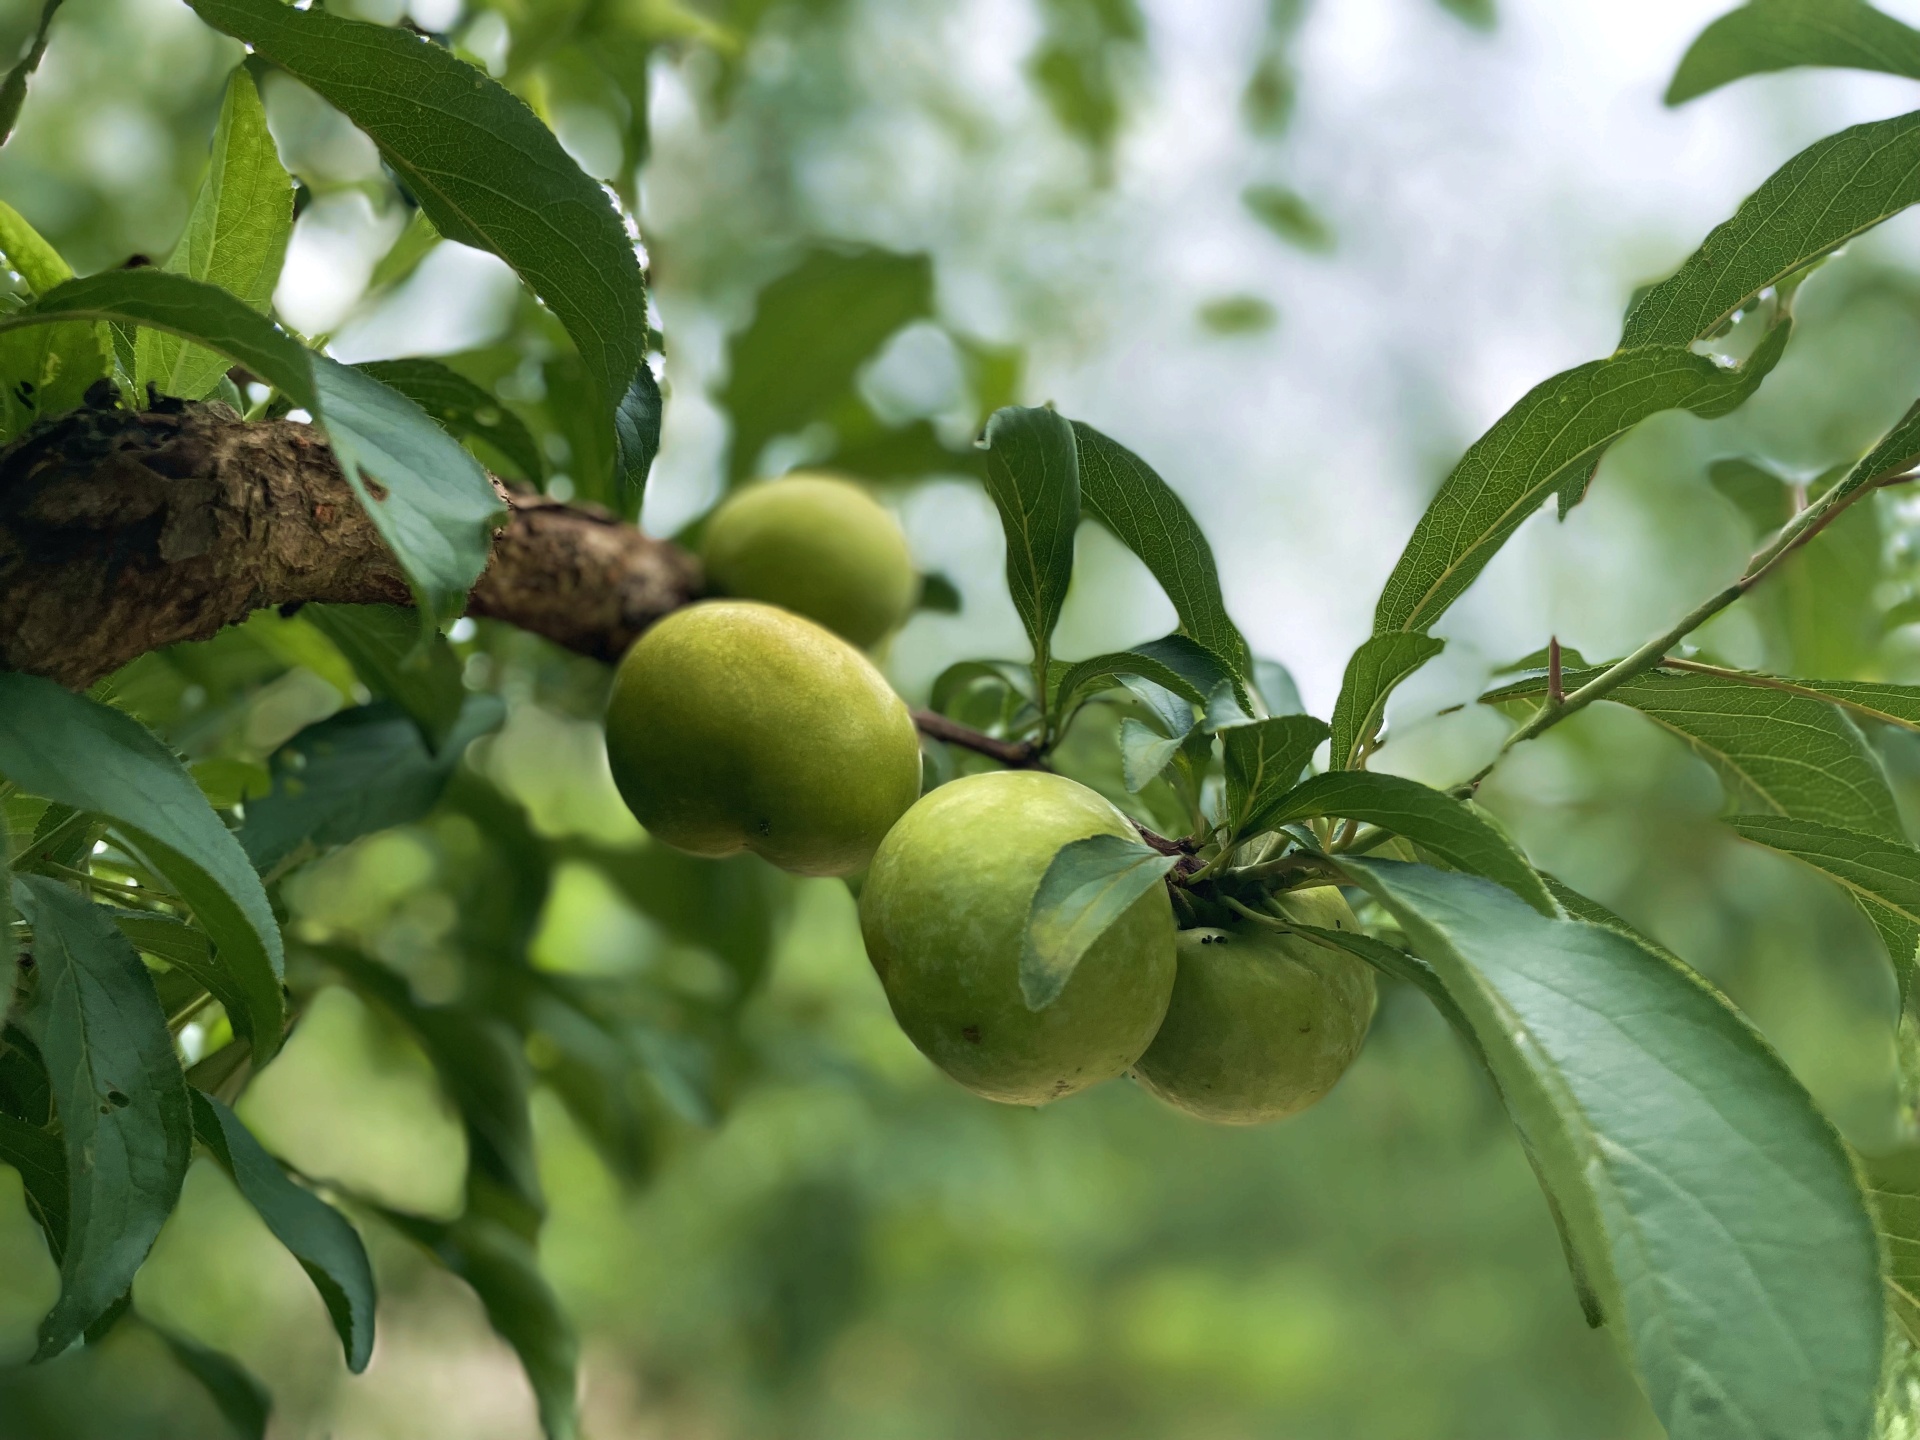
(944, 912)
(817, 546)
(735, 726)
(1262, 1023)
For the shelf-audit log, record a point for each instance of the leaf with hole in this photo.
(80, 753)
(1771, 35)
(96, 1020)
(1088, 885)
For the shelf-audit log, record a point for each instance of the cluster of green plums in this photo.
(756, 722)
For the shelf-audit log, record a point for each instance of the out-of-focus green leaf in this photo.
(403, 257)
(1777, 752)
(1760, 495)
(434, 505)
(1712, 1207)
(812, 330)
(1894, 1192)
(1075, 66)
(385, 648)
(1264, 761)
(463, 410)
(1555, 434)
(1088, 885)
(1033, 477)
(236, 238)
(243, 1402)
(80, 753)
(1781, 34)
(42, 1162)
(356, 772)
(489, 175)
(317, 1235)
(1373, 673)
(1881, 873)
(1432, 820)
(1123, 493)
(1480, 14)
(939, 595)
(1287, 214)
(8, 950)
(44, 370)
(1238, 315)
(121, 1097)
(13, 88)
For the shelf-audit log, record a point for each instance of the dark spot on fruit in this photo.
(971, 1034)
(765, 827)
(1307, 1029)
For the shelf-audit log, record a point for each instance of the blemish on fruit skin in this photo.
(765, 827)
(971, 1034)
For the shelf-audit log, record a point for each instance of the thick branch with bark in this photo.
(122, 532)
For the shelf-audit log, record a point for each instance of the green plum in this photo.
(944, 911)
(736, 726)
(1262, 1023)
(818, 546)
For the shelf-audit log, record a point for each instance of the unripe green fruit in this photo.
(735, 726)
(944, 912)
(1262, 1023)
(817, 546)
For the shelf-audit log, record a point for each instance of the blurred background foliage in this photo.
(1294, 254)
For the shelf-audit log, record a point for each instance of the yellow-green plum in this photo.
(818, 546)
(736, 726)
(1262, 1023)
(944, 911)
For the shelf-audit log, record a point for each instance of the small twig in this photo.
(111, 886)
(1556, 691)
(1015, 754)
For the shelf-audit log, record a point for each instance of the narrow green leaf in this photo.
(44, 370)
(1375, 670)
(243, 1402)
(236, 238)
(384, 645)
(1174, 662)
(1828, 193)
(28, 254)
(13, 88)
(1033, 477)
(184, 949)
(1558, 430)
(1714, 1209)
(1432, 820)
(1264, 761)
(122, 1100)
(78, 752)
(1287, 213)
(504, 1271)
(464, 410)
(1882, 874)
(356, 772)
(1894, 1191)
(433, 505)
(1122, 492)
(1898, 451)
(1776, 751)
(1781, 34)
(1089, 884)
(1145, 754)
(317, 1235)
(488, 174)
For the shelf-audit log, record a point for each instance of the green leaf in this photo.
(384, 645)
(236, 238)
(1713, 1208)
(1776, 751)
(78, 752)
(243, 1402)
(813, 329)
(44, 370)
(1898, 450)
(1760, 495)
(1828, 193)
(1145, 754)
(939, 595)
(1075, 66)
(488, 174)
(317, 1235)
(504, 1271)
(1288, 215)
(1553, 437)
(27, 253)
(1089, 884)
(1882, 874)
(42, 1162)
(435, 506)
(183, 949)
(1375, 670)
(1122, 492)
(1175, 663)
(8, 951)
(464, 410)
(1432, 820)
(1264, 761)
(122, 1100)
(1033, 477)
(1895, 1195)
(356, 772)
(13, 88)
(1781, 34)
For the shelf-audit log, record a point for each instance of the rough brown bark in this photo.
(121, 532)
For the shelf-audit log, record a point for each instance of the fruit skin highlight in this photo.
(737, 726)
(1262, 1024)
(944, 912)
(818, 546)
